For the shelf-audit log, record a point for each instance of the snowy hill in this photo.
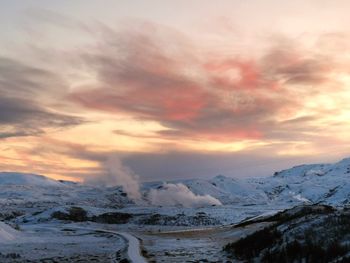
(7, 233)
(8, 178)
(36, 202)
(315, 183)
(22, 193)
(306, 233)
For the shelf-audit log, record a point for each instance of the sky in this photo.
(172, 89)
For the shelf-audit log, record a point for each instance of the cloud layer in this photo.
(160, 76)
(22, 103)
(165, 100)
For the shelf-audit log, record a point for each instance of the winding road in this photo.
(134, 251)
(133, 243)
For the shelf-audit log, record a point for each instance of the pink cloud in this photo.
(147, 75)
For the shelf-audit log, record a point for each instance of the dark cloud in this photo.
(292, 66)
(186, 165)
(23, 110)
(20, 80)
(21, 117)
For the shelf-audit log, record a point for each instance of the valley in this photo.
(71, 222)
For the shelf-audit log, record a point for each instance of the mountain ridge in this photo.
(309, 183)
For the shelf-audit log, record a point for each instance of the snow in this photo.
(7, 233)
(134, 252)
(62, 243)
(225, 189)
(199, 245)
(37, 197)
(325, 183)
(133, 243)
(300, 198)
(8, 178)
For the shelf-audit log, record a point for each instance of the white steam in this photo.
(179, 194)
(118, 174)
(115, 173)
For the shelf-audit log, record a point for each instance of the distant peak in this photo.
(16, 178)
(345, 160)
(220, 176)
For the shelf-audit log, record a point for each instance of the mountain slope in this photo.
(7, 233)
(227, 190)
(314, 183)
(8, 178)
(314, 233)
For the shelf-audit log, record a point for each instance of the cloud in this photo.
(21, 117)
(285, 97)
(179, 194)
(174, 165)
(236, 74)
(160, 78)
(22, 103)
(22, 81)
(292, 66)
(90, 164)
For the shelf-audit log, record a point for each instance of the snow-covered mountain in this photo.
(9, 178)
(226, 189)
(22, 193)
(31, 201)
(315, 183)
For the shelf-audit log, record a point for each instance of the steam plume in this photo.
(118, 174)
(179, 194)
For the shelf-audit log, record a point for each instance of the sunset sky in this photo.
(173, 89)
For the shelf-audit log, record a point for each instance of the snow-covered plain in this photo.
(57, 243)
(7, 233)
(28, 203)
